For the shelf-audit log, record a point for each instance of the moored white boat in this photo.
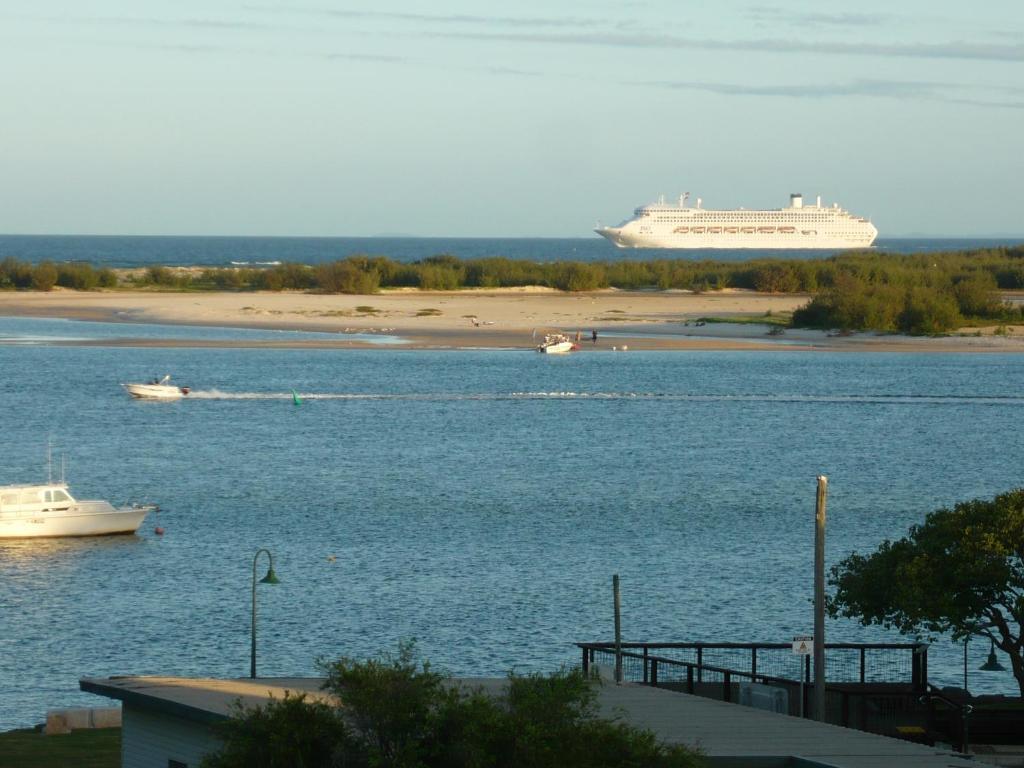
(157, 389)
(49, 510)
(556, 344)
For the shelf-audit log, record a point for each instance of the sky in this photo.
(482, 119)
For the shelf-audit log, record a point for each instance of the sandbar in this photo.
(491, 318)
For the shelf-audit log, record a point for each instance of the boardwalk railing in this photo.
(872, 686)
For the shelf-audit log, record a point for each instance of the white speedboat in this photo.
(157, 389)
(556, 344)
(30, 511)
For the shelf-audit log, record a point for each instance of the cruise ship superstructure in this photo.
(664, 225)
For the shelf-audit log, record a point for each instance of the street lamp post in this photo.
(991, 665)
(270, 578)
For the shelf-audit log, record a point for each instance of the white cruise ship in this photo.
(664, 225)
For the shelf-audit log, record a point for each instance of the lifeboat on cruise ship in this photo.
(765, 230)
(747, 230)
(681, 230)
(787, 230)
(731, 230)
(714, 230)
(697, 230)
(808, 231)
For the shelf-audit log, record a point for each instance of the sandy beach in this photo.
(508, 318)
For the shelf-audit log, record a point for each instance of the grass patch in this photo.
(776, 318)
(619, 320)
(89, 748)
(428, 312)
(615, 311)
(366, 309)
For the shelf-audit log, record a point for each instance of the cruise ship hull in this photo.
(623, 239)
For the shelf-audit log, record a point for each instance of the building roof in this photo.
(718, 728)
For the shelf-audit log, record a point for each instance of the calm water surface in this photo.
(129, 251)
(477, 501)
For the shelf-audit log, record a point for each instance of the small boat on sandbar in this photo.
(157, 389)
(49, 510)
(556, 344)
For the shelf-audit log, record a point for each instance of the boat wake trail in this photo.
(866, 399)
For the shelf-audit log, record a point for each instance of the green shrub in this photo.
(398, 713)
(107, 278)
(929, 312)
(976, 295)
(81, 277)
(160, 275)
(776, 278)
(44, 277)
(16, 274)
(348, 276)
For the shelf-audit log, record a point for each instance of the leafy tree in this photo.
(960, 572)
(392, 712)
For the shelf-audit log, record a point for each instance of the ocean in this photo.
(477, 501)
(127, 252)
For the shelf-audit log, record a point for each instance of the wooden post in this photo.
(618, 629)
(819, 600)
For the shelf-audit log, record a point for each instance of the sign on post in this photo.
(803, 645)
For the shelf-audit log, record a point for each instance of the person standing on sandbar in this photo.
(593, 336)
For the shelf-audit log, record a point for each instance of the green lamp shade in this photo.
(270, 578)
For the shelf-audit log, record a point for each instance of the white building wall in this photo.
(150, 740)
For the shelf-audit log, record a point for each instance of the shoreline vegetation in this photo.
(964, 293)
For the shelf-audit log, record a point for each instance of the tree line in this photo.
(915, 293)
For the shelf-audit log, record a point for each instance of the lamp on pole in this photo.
(991, 664)
(270, 578)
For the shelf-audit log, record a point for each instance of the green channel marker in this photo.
(296, 400)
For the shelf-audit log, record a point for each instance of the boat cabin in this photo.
(34, 498)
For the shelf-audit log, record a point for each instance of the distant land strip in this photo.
(918, 294)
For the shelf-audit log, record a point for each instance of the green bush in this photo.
(976, 295)
(44, 277)
(81, 277)
(288, 276)
(929, 312)
(107, 278)
(349, 276)
(163, 277)
(776, 278)
(15, 274)
(397, 713)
